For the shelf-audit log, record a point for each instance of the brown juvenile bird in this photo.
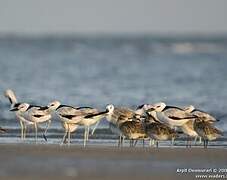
(133, 130)
(117, 116)
(207, 131)
(158, 131)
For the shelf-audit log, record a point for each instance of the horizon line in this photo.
(118, 34)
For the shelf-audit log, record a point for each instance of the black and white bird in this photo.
(171, 115)
(14, 104)
(202, 115)
(83, 116)
(142, 109)
(34, 114)
(64, 112)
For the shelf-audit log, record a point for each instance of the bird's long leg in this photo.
(85, 135)
(36, 132)
(143, 143)
(172, 141)
(204, 143)
(131, 142)
(156, 144)
(68, 135)
(88, 129)
(195, 140)
(153, 142)
(123, 140)
(25, 129)
(22, 130)
(200, 140)
(96, 125)
(64, 137)
(47, 127)
(187, 141)
(135, 142)
(119, 141)
(150, 142)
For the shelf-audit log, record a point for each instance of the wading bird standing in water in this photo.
(158, 131)
(35, 114)
(85, 116)
(206, 131)
(126, 123)
(14, 104)
(170, 115)
(202, 115)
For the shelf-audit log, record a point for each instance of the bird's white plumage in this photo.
(172, 116)
(14, 103)
(85, 116)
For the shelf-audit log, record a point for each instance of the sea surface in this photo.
(121, 70)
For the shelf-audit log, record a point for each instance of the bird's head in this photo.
(159, 106)
(110, 108)
(53, 105)
(22, 107)
(189, 108)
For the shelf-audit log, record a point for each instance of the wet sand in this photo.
(24, 161)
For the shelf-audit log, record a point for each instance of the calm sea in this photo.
(124, 71)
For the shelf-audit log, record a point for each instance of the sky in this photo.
(113, 16)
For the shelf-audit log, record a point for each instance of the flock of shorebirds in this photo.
(153, 122)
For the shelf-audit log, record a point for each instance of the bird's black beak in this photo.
(93, 115)
(103, 112)
(151, 109)
(14, 109)
(140, 107)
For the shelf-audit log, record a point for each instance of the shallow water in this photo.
(126, 71)
(102, 137)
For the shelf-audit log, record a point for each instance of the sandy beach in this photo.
(24, 161)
